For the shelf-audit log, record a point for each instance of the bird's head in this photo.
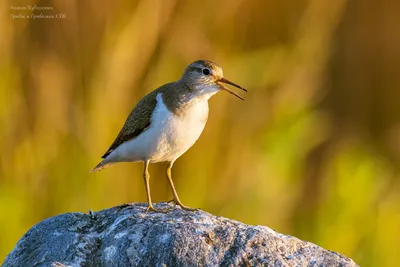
(206, 78)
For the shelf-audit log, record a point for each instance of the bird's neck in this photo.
(180, 97)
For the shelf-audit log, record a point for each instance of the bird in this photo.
(165, 123)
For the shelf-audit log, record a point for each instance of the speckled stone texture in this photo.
(128, 236)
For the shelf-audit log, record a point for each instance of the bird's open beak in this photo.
(223, 80)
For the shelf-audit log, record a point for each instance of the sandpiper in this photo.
(167, 122)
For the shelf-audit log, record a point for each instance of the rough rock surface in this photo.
(128, 236)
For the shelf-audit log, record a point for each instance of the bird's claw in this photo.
(178, 203)
(186, 207)
(152, 209)
(172, 201)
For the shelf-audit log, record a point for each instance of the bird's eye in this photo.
(206, 71)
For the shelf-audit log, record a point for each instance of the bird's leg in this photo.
(146, 177)
(176, 199)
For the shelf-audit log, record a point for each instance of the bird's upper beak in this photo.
(223, 80)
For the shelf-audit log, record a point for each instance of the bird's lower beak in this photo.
(223, 80)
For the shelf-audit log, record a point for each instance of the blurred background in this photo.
(313, 152)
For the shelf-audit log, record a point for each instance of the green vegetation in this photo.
(313, 152)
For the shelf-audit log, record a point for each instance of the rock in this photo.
(128, 236)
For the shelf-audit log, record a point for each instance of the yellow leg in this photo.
(146, 177)
(171, 184)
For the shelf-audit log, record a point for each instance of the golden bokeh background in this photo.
(313, 151)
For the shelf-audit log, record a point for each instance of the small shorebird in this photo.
(167, 122)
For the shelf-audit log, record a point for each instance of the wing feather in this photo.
(138, 121)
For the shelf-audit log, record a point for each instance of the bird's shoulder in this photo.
(139, 119)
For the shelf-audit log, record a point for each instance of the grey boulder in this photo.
(129, 236)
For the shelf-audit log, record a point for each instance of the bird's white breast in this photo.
(168, 136)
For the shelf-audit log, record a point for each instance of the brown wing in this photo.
(137, 122)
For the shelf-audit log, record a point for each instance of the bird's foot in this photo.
(150, 208)
(186, 207)
(178, 203)
(172, 201)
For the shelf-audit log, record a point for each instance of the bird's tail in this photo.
(101, 166)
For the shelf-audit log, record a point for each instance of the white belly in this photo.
(169, 135)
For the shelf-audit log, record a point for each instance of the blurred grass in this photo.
(314, 150)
